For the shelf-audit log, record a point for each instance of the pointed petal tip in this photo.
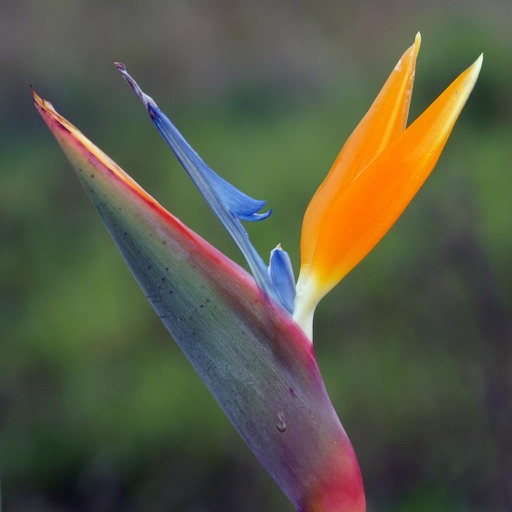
(417, 40)
(477, 65)
(471, 74)
(413, 50)
(410, 55)
(148, 102)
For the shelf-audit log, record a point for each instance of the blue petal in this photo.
(236, 202)
(227, 202)
(281, 275)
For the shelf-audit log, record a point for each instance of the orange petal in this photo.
(367, 208)
(384, 121)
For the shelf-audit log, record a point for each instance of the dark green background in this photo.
(99, 411)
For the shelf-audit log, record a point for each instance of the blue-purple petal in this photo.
(227, 202)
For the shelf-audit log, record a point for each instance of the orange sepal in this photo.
(366, 208)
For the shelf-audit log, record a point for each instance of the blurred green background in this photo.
(99, 410)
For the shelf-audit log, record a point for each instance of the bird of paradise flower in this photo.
(250, 337)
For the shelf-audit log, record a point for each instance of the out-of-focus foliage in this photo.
(98, 408)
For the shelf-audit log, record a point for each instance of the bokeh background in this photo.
(99, 410)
